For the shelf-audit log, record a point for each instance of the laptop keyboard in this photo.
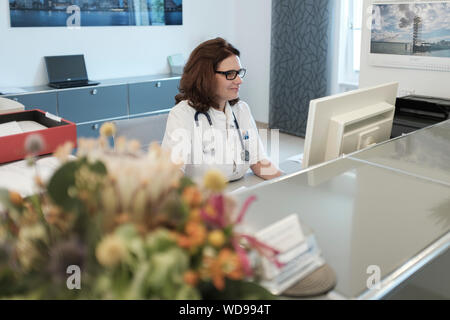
(72, 84)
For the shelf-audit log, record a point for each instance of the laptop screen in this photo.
(66, 68)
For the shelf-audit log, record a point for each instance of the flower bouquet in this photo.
(121, 224)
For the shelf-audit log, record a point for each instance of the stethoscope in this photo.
(245, 154)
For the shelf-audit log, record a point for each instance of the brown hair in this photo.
(198, 82)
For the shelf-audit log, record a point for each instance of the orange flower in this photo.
(210, 211)
(194, 237)
(15, 198)
(196, 233)
(192, 196)
(194, 215)
(183, 241)
(231, 264)
(191, 278)
(227, 264)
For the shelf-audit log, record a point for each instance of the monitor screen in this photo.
(66, 68)
(348, 122)
(411, 35)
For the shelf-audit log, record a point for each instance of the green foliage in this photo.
(89, 218)
(62, 187)
(185, 182)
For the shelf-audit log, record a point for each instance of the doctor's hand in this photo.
(266, 170)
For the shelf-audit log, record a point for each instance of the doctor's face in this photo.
(227, 89)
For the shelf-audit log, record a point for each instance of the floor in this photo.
(290, 145)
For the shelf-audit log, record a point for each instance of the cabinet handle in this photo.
(95, 127)
(158, 84)
(93, 92)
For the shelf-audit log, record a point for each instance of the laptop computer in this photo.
(67, 71)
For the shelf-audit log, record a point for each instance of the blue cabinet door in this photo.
(153, 95)
(91, 130)
(43, 101)
(93, 103)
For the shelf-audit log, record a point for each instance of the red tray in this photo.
(58, 132)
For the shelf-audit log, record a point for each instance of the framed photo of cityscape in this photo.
(415, 29)
(84, 13)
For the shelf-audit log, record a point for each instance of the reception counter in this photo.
(386, 208)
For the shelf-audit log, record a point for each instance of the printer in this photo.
(414, 112)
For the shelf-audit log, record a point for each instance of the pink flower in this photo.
(214, 214)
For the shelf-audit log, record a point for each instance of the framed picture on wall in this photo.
(411, 34)
(88, 13)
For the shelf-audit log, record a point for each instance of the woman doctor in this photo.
(210, 127)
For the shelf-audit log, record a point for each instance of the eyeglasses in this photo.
(232, 74)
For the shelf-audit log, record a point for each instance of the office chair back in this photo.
(146, 129)
(8, 105)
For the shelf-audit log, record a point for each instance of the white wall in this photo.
(110, 52)
(421, 82)
(113, 52)
(253, 32)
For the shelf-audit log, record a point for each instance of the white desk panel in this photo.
(425, 153)
(362, 215)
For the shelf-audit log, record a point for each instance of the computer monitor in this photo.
(347, 122)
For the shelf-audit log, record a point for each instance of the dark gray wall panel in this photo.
(299, 60)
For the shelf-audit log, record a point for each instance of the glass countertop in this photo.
(425, 153)
(362, 215)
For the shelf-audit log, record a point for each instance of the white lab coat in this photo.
(203, 147)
